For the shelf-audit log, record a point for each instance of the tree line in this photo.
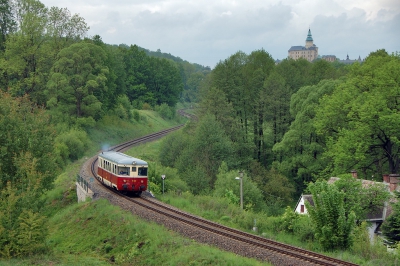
(304, 120)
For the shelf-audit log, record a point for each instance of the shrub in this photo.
(72, 144)
(121, 112)
(146, 106)
(303, 228)
(177, 185)
(166, 111)
(289, 220)
(136, 115)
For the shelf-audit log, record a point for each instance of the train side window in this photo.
(133, 169)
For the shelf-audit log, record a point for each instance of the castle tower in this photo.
(309, 40)
(308, 52)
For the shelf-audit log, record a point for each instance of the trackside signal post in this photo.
(163, 178)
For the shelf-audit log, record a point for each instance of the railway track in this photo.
(245, 244)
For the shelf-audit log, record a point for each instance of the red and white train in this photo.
(122, 172)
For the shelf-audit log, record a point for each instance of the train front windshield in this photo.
(142, 171)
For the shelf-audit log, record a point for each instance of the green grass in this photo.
(105, 233)
(112, 130)
(147, 151)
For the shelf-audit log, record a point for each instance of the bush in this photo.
(289, 220)
(177, 185)
(72, 144)
(146, 106)
(166, 111)
(136, 115)
(121, 112)
(303, 228)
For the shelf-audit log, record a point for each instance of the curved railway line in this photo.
(202, 230)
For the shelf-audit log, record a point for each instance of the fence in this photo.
(83, 183)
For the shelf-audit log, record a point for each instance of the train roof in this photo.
(121, 158)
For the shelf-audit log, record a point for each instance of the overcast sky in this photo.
(206, 32)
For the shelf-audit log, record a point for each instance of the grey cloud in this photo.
(356, 36)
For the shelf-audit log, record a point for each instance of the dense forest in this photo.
(285, 125)
(294, 122)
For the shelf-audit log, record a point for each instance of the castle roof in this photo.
(301, 48)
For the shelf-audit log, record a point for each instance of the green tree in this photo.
(276, 98)
(25, 53)
(258, 68)
(361, 118)
(296, 73)
(362, 199)
(172, 146)
(77, 78)
(63, 29)
(391, 226)
(64, 26)
(203, 154)
(227, 186)
(164, 81)
(27, 170)
(7, 22)
(337, 207)
(333, 228)
(320, 70)
(300, 150)
(116, 77)
(26, 135)
(211, 147)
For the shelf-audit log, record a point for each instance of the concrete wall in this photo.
(82, 193)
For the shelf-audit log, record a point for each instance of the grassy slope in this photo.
(97, 233)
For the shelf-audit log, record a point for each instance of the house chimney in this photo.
(354, 174)
(393, 181)
(386, 178)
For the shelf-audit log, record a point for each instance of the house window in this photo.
(301, 208)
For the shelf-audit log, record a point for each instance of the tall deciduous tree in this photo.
(276, 97)
(7, 21)
(164, 81)
(259, 65)
(361, 119)
(24, 53)
(77, 78)
(203, 154)
(63, 28)
(300, 151)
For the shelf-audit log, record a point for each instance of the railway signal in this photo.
(163, 178)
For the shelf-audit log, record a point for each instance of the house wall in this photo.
(298, 207)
